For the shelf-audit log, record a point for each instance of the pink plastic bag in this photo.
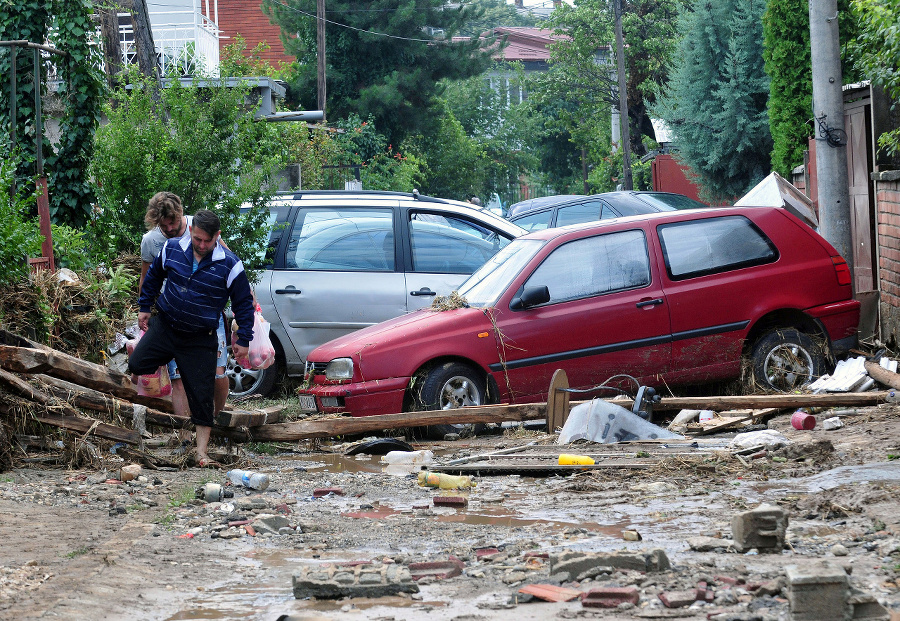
(156, 384)
(262, 352)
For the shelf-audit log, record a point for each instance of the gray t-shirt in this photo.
(153, 241)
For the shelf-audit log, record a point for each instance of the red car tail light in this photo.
(841, 270)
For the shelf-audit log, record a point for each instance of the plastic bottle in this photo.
(408, 457)
(445, 481)
(565, 459)
(248, 478)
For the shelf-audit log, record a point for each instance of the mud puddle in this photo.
(830, 479)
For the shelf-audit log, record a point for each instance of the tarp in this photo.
(776, 191)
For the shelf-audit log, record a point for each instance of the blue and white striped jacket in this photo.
(192, 301)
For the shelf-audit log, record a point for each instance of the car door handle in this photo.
(423, 291)
(653, 302)
(290, 291)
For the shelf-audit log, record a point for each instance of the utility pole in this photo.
(828, 119)
(627, 182)
(320, 55)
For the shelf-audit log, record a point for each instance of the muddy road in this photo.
(78, 546)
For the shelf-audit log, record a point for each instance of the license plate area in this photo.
(307, 402)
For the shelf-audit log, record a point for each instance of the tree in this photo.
(382, 60)
(786, 50)
(715, 102)
(203, 146)
(878, 54)
(456, 164)
(65, 24)
(496, 13)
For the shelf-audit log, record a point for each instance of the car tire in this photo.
(245, 382)
(787, 359)
(452, 385)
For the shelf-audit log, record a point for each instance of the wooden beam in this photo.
(758, 402)
(882, 375)
(65, 415)
(58, 364)
(253, 418)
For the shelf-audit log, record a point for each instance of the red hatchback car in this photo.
(669, 298)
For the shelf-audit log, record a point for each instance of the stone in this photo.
(369, 580)
(271, 524)
(818, 593)
(839, 550)
(610, 597)
(574, 564)
(708, 544)
(762, 528)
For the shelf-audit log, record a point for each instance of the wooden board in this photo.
(234, 418)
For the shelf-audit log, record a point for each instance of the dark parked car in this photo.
(341, 261)
(672, 298)
(543, 201)
(598, 207)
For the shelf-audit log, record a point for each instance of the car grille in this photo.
(315, 368)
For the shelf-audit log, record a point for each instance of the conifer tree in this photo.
(715, 103)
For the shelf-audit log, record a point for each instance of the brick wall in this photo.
(887, 209)
(246, 18)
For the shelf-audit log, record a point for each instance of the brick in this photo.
(610, 597)
(481, 553)
(577, 564)
(818, 593)
(550, 592)
(440, 570)
(678, 599)
(762, 528)
(450, 501)
(367, 580)
(324, 491)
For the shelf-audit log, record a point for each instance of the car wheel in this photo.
(448, 386)
(245, 382)
(787, 359)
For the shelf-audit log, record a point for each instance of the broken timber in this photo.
(65, 415)
(328, 427)
(57, 364)
(882, 375)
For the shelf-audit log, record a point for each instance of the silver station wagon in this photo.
(343, 260)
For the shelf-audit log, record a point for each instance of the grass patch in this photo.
(78, 552)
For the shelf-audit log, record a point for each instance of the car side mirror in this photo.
(531, 296)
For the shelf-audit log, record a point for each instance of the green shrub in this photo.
(70, 249)
(20, 236)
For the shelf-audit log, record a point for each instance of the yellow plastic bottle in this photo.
(566, 459)
(445, 481)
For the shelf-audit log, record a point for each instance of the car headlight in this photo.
(339, 368)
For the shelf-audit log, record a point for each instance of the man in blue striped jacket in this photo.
(201, 275)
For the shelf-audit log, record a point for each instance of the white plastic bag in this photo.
(262, 352)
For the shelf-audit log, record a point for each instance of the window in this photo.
(342, 240)
(595, 265)
(447, 244)
(583, 212)
(713, 245)
(535, 221)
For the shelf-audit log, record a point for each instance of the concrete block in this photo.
(867, 608)
(610, 597)
(271, 524)
(762, 528)
(369, 580)
(818, 593)
(576, 564)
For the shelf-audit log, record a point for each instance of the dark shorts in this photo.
(195, 354)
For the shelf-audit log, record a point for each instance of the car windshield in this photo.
(670, 202)
(487, 284)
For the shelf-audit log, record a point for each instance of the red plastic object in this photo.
(803, 421)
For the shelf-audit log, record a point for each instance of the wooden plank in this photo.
(64, 415)
(90, 399)
(245, 418)
(497, 467)
(64, 366)
(557, 401)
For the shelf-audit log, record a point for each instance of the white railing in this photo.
(186, 42)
